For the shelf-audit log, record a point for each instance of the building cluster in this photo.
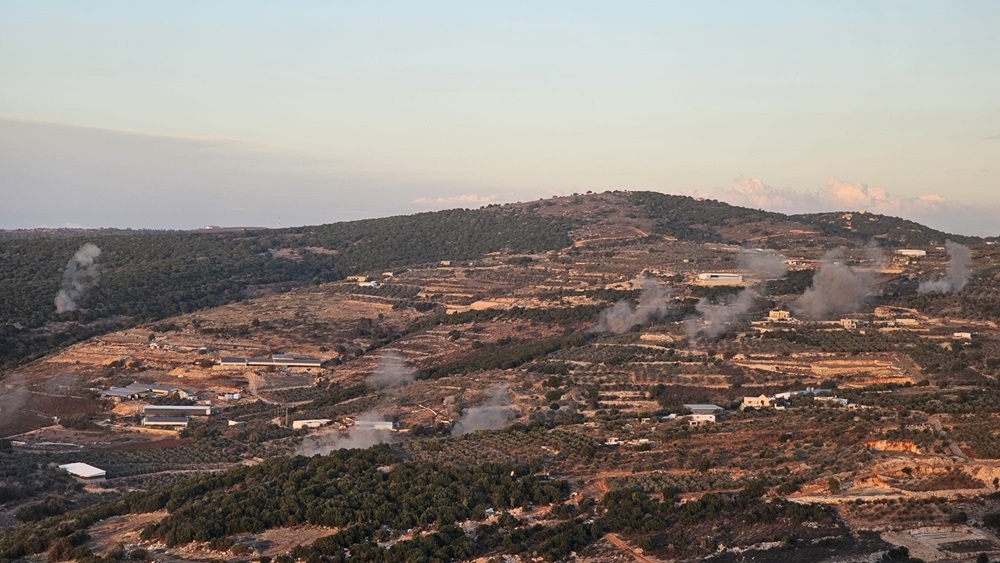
(763, 401)
(135, 390)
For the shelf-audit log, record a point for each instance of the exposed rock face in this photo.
(893, 446)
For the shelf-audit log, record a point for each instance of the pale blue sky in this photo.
(339, 110)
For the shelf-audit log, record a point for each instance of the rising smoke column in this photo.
(762, 264)
(391, 376)
(956, 274)
(653, 303)
(494, 414)
(391, 372)
(80, 273)
(716, 318)
(836, 289)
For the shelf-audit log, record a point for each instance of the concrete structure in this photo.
(374, 425)
(166, 421)
(763, 401)
(911, 253)
(701, 419)
(311, 423)
(374, 283)
(83, 470)
(713, 278)
(778, 315)
(962, 335)
(703, 409)
(283, 360)
(849, 324)
(178, 410)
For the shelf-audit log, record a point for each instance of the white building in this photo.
(83, 470)
(714, 278)
(374, 425)
(701, 419)
(763, 401)
(778, 315)
(911, 252)
(310, 423)
(166, 421)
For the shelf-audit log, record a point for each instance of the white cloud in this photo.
(933, 210)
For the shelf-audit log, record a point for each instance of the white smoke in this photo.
(392, 372)
(80, 273)
(331, 439)
(836, 289)
(654, 301)
(762, 264)
(717, 318)
(494, 414)
(956, 274)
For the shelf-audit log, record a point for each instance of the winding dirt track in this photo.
(620, 544)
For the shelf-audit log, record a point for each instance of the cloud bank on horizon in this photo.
(110, 178)
(933, 210)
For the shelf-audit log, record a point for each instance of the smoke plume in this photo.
(762, 264)
(836, 289)
(392, 372)
(653, 303)
(956, 274)
(80, 273)
(492, 415)
(331, 439)
(14, 395)
(715, 318)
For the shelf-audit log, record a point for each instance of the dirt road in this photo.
(621, 544)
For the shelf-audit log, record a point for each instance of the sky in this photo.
(185, 114)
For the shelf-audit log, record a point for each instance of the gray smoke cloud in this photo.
(392, 372)
(80, 273)
(956, 274)
(391, 375)
(14, 395)
(654, 301)
(762, 264)
(717, 318)
(494, 414)
(330, 440)
(836, 289)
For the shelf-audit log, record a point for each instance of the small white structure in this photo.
(715, 278)
(911, 252)
(311, 423)
(374, 425)
(849, 324)
(83, 470)
(701, 419)
(374, 283)
(763, 401)
(778, 315)
(962, 335)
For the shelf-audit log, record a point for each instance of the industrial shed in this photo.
(83, 470)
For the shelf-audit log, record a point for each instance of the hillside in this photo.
(522, 381)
